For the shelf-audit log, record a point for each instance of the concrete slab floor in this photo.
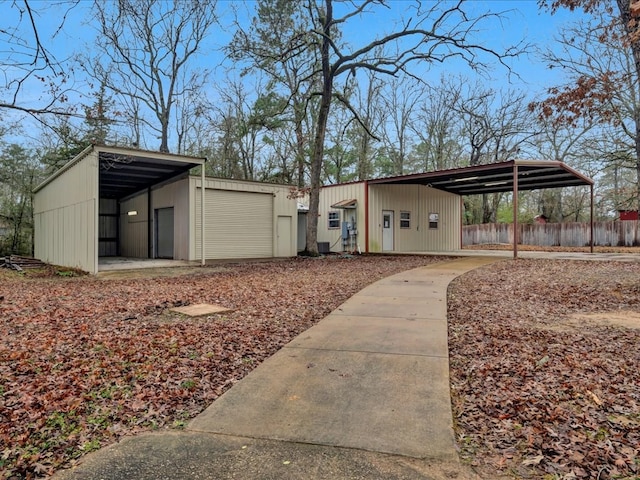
(109, 264)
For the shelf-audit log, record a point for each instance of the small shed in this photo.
(120, 202)
(626, 215)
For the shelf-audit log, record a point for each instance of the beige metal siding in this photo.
(331, 195)
(134, 229)
(250, 219)
(66, 217)
(419, 200)
(176, 195)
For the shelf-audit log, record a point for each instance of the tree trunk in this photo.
(318, 144)
(487, 211)
(624, 6)
(364, 165)
(300, 153)
(164, 137)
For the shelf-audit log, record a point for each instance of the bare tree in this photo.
(437, 127)
(602, 58)
(434, 32)
(400, 100)
(244, 117)
(190, 113)
(572, 144)
(340, 155)
(29, 64)
(279, 26)
(368, 103)
(148, 45)
(19, 174)
(498, 127)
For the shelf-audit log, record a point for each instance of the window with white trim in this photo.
(434, 218)
(333, 221)
(405, 219)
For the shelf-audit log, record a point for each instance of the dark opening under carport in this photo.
(123, 173)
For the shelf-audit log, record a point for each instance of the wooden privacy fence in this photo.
(572, 234)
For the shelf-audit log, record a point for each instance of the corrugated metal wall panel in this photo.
(134, 229)
(419, 201)
(446, 237)
(66, 217)
(176, 195)
(61, 241)
(237, 224)
(331, 195)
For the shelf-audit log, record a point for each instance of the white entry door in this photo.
(387, 230)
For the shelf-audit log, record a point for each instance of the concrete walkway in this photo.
(362, 394)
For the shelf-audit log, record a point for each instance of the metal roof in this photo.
(495, 177)
(124, 171)
(346, 204)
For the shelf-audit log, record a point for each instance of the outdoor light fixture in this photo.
(492, 184)
(465, 179)
(131, 213)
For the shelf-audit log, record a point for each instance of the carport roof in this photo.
(496, 177)
(124, 171)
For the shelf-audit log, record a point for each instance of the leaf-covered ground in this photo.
(84, 361)
(538, 390)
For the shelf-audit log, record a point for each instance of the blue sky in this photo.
(522, 20)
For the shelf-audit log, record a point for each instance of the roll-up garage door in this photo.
(237, 224)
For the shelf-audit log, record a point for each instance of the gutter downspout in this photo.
(366, 216)
(202, 196)
(461, 220)
(515, 210)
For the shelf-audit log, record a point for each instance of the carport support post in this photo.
(515, 210)
(591, 221)
(202, 257)
(150, 226)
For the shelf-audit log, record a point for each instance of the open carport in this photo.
(77, 216)
(512, 176)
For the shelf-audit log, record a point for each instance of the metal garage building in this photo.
(422, 212)
(389, 218)
(111, 201)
